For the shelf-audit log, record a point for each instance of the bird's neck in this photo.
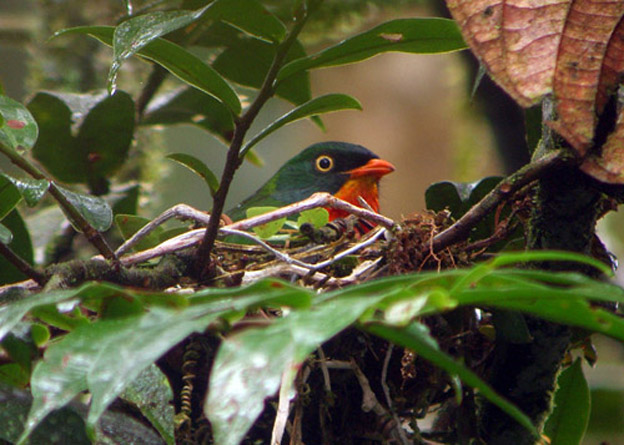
(364, 186)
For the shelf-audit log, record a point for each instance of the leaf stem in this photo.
(234, 159)
(93, 236)
(22, 265)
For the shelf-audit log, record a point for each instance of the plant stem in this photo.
(22, 265)
(460, 230)
(234, 160)
(93, 236)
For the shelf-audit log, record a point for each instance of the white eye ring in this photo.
(324, 163)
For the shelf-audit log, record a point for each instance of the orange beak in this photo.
(375, 167)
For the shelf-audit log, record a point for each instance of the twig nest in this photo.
(411, 250)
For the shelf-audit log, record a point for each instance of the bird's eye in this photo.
(324, 163)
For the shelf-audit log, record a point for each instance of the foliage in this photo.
(80, 333)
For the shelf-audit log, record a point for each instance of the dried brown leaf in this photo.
(573, 49)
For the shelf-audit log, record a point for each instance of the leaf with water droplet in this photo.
(133, 34)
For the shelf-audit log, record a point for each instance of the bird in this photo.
(345, 170)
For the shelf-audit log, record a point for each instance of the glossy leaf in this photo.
(32, 190)
(133, 34)
(9, 196)
(318, 105)
(570, 417)
(62, 374)
(249, 365)
(18, 129)
(419, 35)
(151, 393)
(197, 166)
(177, 60)
(250, 16)
(93, 208)
(21, 245)
(191, 106)
(159, 330)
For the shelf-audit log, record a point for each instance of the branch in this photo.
(93, 236)
(233, 160)
(507, 187)
(22, 265)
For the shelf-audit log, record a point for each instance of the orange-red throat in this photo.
(362, 182)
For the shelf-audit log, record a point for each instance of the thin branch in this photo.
(233, 160)
(529, 173)
(180, 211)
(93, 236)
(22, 265)
(154, 81)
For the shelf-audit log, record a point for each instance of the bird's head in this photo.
(347, 171)
(344, 170)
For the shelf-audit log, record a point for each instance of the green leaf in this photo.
(32, 190)
(133, 34)
(417, 338)
(20, 347)
(198, 167)
(178, 61)
(255, 359)
(14, 375)
(127, 200)
(105, 136)
(418, 35)
(18, 129)
(40, 334)
(105, 131)
(94, 209)
(155, 332)
(151, 393)
(9, 196)
(458, 197)
(128, 225)
(64, 426)
(191, 106)
(62, 374)
(318, 105)
(5, 235)
(265, 231)
(246, 61)
(21, 245)
(568, 421)
(250, 16)
(56, 147)
(317, 217)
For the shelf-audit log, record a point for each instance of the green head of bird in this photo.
(345, 170)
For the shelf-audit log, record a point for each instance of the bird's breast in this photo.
(366, 187)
